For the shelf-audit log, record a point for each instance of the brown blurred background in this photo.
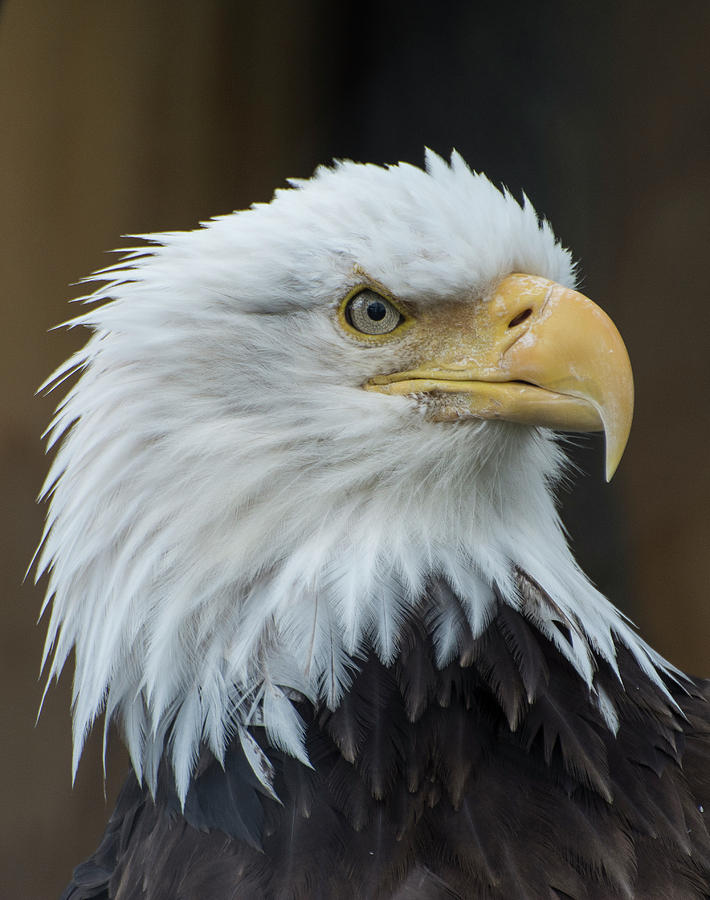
(144, 115)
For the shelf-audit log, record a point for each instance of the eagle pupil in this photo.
(376, 310)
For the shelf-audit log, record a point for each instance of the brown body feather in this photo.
(494, 777)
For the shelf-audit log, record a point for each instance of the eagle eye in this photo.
(370, 313)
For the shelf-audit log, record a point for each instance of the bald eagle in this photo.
(302, 540)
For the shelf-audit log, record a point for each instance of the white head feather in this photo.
(232, 518)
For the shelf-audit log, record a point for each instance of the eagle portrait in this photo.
(303, 543)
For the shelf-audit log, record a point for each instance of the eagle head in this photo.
(288, 422)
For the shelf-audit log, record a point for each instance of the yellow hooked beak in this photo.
(534, 352)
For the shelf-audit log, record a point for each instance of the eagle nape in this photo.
(302, 540)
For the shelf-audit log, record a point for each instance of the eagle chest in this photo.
(495, 776)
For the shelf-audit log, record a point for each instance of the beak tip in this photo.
(616, 419)
(614, 453)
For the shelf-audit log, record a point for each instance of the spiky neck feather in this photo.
(233, 519)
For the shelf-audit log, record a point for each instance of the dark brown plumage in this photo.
(495, 777)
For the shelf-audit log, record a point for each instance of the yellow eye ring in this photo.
(369, 315)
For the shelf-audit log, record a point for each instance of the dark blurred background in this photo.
(144, 115)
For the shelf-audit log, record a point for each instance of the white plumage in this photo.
(231, 515)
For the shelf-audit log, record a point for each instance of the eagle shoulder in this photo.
(501, 774)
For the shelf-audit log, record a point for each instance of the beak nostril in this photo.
(521, 317)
